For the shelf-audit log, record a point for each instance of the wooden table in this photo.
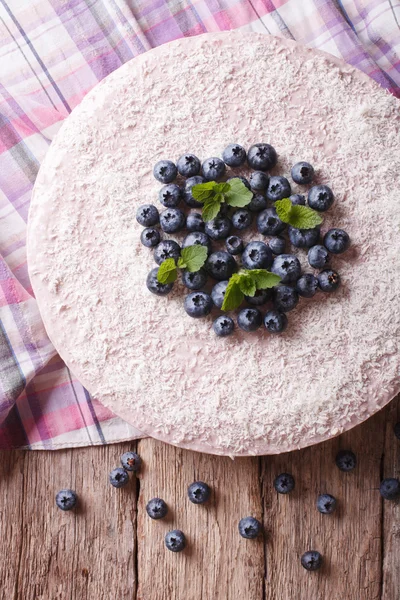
(110, 549)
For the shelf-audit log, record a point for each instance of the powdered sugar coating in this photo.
(338, 361)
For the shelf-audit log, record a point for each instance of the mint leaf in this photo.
(194, 257)
(263, 279)
(210, 210)
(167, 273)
(247, 284)
(233, 297)
(283, 209)
(301, 217)
(238, 195)
(181, 263)
(221, 188)
(203, 191)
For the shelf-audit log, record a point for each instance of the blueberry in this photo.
(302, 173)
(199, 492)
(187, 194)
(297, 199)
(223, 326)
(257, 255)
(249, 319)
(234, 244)
(66, 499)
(197, 238)
(165, 171)
(194, 222)
(285, 298)
(172, 220)
(175, 540)
(218, 228)
(311, 560)
(194, 281)
(241, 219)
(147, 215)
(170, 195)
(303, 238)
(221, 265)
(328, 280)
(397, 430)
(320, 197)
(234, 155)
(284, 483)
(249, 528)
(326, 504)
(213, 168)
(224, 210)
(257, 203)
(198, 304)
(166, 249)
(318, 256)
(277, 245)
(258, 181)
(156, 508)
(307, 285)
(242, 179)
(155, 287)
(287, 266)
(278, 188)
(262, 157)
(268, 222)
(131, 461)
(336, 241)
(118, 477)
(275, 321)
(390, 489)
(188, 165)
(259, 298)
(150, 237)
(218, 293)
(346, 460)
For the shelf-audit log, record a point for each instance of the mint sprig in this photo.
(213, 194)
(298, 216)
(246, 283)
(192, 258)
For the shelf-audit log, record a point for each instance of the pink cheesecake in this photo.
(141, 355)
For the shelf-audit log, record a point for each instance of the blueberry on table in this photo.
(234, 155)
(311, 560)
(170, 195)
(287, 266)
(268, 222)
(155, 287)
(66, 499)
(249, 528)
(165, 171)
(328, 280)
(194, 222)
(218, 228)
(241, 219)
(397, 430)
(234, 245)
(188, 165)
(249, 319)
(218, 293)
(196, 280)
(150, 237)
(257, 255)
(118, 477)
(346, 460)
(220, 265)
(197, 238)
(278, 188)
(275, 321)
(307, 285)
(187, 194)
(198, 304)
(257, 203)
(262, 157)
(336, 241)
(198, 492)
(318, 256)
(175, 540)
(131, 461)
(297, 199)
(213, 168)
(285, 298)
(326, 504)
(390, 489)
(223, 326)
(277, 245)
(302, 173)
(156, 508)
(260, 297)
(258, 181)
(147, 215)
(172, 220)
(242, 179)
(284, 483)
(166, 249)
(320, 197)
(303, 238)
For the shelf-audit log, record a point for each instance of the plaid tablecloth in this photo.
(52, 52)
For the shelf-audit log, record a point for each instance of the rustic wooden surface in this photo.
(110, 549)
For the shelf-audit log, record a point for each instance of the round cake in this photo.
(142, 355)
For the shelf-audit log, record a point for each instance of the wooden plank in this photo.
(218, 563)
(349, 540)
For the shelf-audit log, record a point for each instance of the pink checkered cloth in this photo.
(52, 52)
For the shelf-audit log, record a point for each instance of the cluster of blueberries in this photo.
(221, 264)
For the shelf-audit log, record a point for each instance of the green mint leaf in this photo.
(247, 284)
(181, 263)
(304, 217)
(194, 257)
(238, 195)
(263, 279)
(221, 188)
(204, 191)
(283, 209)
(210, 210)
(233, 297)
(167, 273)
